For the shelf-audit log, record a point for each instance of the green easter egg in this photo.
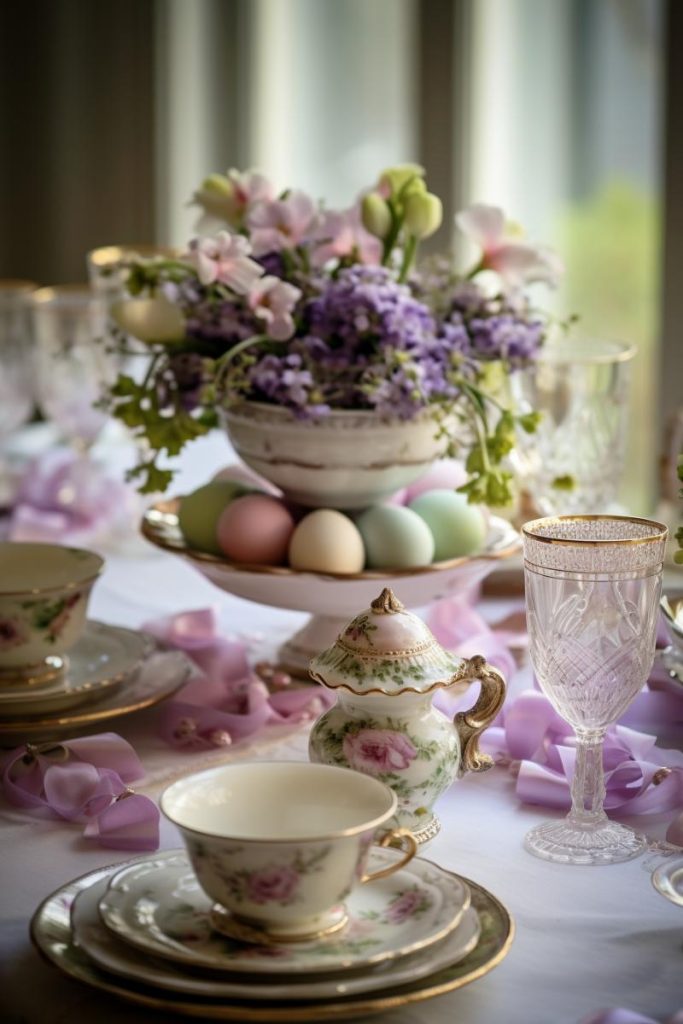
(395, 537)
(459, 528)
(199, 512)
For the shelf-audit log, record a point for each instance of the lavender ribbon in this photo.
(69, 499)
(84, 780)
(226, 701)
(539, 747)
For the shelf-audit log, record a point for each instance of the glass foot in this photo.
(568, 843)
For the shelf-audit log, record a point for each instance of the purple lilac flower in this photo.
(506, 337)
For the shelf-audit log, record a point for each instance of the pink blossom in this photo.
(376, 751)
(282, 224)
(251, 187)
(272, 885)
(517, 262)
(228, 198)
(12, 633)
(273, 300)
(224, 259)
(404, 906)
(340, 234)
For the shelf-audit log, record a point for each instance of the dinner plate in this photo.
(668, 880)
(157, 677)
(157, 905)
(117, 957)
(101, 659)
(52, 935)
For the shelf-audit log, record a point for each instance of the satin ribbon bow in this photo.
(84, 780)
(227, 700)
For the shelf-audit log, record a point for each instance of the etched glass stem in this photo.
(588, 784)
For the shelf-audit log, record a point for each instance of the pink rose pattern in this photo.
(272, 885)
(406, 904)
(378, 751)
(11, 634)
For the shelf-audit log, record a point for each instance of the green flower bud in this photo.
(394, 178)
(375, 214)
(150, 320)
(217, 197)
(423, 214)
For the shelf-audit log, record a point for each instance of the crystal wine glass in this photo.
(574, 460)
(592, 595)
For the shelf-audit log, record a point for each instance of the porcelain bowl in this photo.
(349, 459)
(44, 594)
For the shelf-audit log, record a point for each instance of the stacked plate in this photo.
(420, 932)
(110, 671)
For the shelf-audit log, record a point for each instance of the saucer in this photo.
(53, 937)
(161, 674)
(101, 659)
(156, 904)
(111, 953)
(668, 880)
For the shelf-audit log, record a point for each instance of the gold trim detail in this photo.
(227, 924)
(387, 603)
(461, 676)
(406, 841)
(656, 538)
(471, 724)
(366, 655)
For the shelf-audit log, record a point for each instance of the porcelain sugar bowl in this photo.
(386, 666)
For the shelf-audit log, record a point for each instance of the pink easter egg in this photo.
(399, 498)
(255, 528)
(447, 473)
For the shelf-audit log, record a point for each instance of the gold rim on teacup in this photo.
(34, 676)
(658, 535)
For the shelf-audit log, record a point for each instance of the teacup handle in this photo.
(409, 844)
(471, 724)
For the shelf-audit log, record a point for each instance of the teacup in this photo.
(280, 845)
(44, 592)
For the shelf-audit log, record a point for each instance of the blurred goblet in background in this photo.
(592, 595)
(107, 270)
(16, 366)
(574, 461)
(73, 366)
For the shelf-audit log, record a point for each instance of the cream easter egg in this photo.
(395, 538)
(255, 528)
(458, 528)
(199, 511)
(327, 541)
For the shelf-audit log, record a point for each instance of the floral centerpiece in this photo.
(279, 300)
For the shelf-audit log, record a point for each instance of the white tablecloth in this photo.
(586, 937)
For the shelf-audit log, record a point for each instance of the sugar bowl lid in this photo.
(386, 649)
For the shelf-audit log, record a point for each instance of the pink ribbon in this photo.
(227, 701)
(84, 780)
(69, 499)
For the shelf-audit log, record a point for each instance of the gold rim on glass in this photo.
(579, 353)
(655, 538)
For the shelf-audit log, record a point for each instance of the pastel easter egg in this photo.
(458, 528)
(398, 498)
(255, 528)
(327, 541)
(395, 537)
(443, 475)
(199, 512)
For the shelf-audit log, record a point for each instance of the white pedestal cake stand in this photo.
(332, 600)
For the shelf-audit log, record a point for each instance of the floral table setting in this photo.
(274, 748)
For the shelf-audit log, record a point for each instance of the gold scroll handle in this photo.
(471, 724)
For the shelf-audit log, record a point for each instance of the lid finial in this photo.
(387, 603)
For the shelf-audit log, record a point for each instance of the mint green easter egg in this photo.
(200, 510)
(395, 537)
(458, 528)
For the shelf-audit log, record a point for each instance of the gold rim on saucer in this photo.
(52, 936)
(225, 923)
(43, 672)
